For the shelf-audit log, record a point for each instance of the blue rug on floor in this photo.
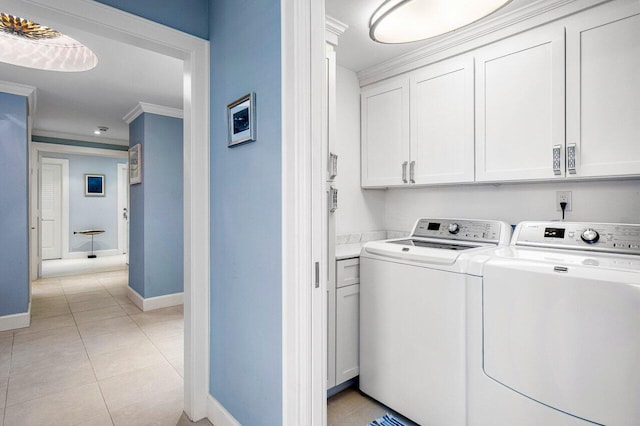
(387, 420)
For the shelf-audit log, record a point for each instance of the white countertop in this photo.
(348, 251)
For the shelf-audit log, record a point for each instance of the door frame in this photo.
(89, 16)
(121, 244)
(64, 203)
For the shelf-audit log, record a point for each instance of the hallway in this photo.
(91, 357)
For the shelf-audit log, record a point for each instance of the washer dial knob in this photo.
(454, 228)
(590, 236)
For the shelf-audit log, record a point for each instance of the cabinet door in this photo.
(520, 106)
(603, 91)
(442, 143)
(347, 333)
(385, 133)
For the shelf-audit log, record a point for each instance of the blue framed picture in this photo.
(241, 115)
(94, 185)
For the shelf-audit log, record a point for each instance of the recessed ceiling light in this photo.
(28, 44)
(100, 130)
(403, 21)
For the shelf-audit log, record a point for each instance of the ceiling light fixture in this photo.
(28, 44)
(100, 130)
(403, 21)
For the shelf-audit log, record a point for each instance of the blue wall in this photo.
(14, 205)
(246, 261)
(92, 212)
(189, 16)
(156, 224)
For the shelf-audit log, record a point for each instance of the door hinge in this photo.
(317, 274)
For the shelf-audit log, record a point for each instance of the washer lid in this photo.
(422, 250)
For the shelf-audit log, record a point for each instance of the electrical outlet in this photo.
(563, 196)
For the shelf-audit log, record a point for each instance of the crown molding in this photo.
(74, 137)
(143, 107)
(334, 29)
(476, 35)
(30, 92)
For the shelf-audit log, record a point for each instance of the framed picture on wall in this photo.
(241, 117)
(94, 185)
(135, 164)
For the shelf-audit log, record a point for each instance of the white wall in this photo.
(597, 201)
(358, 210)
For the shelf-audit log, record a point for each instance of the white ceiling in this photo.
(78, 102)
(356, 51)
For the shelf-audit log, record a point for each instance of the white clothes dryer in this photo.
(412, 317)
(554, 327)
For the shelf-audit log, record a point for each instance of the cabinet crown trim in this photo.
(460, 41)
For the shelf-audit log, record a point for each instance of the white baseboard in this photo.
(11, 322)
(83, 254)
(158, 302)
(218, 415)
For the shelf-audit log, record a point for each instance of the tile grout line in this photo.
(89, 359)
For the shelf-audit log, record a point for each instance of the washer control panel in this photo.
(604, 237)
(483, 231)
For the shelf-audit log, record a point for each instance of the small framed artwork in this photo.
(94, 185)
(241, 115)
(135, 164)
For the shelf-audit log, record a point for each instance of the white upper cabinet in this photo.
(442, 143)
(385, 133)
(520, 96)
(603, 91)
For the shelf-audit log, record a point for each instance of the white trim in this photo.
(30, 92)
(71, 16)
(218, 415)
(84, 254)
(303, 53)
(476, 35)
(121, 241)
(79, 138)
(78, 150)
(153, 303)
(143, 107)
(334, 29)
(11, 322)
(64, 203)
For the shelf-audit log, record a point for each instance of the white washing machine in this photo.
(554, 327)
(412, 317)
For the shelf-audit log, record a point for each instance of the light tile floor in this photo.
(352, 408)
(91, 357)
(66, 267)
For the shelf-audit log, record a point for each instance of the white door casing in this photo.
(70, 16)
(54, 202)
(123, 209)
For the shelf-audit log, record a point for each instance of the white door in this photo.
(385, 133)
(123, 209)
(442, 144)
(51, 202)
(520, 106)
(603, 91)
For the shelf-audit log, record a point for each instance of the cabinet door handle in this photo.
(557, 167)
(571, 158)
(404, 171)
(412, 172)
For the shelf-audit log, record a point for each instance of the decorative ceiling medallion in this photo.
(24, 28)
(404, 21)
(28, 44)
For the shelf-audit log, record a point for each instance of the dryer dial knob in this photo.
(454, 228)
(590, 236)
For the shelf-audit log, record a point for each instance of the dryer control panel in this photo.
(481, 231)
(603, 237)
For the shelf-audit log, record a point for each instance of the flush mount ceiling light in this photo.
(28, 44)
(100, 130)
(403, 21)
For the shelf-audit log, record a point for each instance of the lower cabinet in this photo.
(343, 323)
